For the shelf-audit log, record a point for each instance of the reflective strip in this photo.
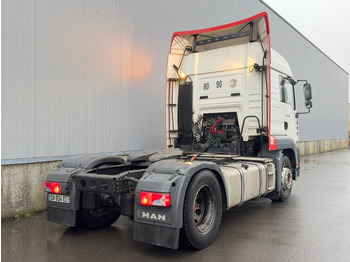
(267, 179)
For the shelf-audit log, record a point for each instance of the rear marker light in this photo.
(273, 143)
(155, 199)
(52, 187)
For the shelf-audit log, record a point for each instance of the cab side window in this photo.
(287, 92)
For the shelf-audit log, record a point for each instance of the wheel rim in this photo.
(204, 209)
(287, 178)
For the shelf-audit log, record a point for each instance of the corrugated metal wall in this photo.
(88, 76)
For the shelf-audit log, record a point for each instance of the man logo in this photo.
(153, 216)
(233, 83)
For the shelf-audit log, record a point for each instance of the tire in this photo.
(97, 218)
(202, 211)
(286, 180)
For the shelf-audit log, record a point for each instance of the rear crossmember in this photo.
(110, 184)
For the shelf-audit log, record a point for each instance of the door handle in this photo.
(285, 125)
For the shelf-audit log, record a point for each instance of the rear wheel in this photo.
(202, 211)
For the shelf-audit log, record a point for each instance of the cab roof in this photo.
(255, 28)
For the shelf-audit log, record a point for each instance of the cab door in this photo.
(290, 123)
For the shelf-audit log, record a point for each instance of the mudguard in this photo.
(161, 225)
(89, 161)
(65, 213)
(286, 143)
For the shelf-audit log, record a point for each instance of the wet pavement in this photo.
(313, 225)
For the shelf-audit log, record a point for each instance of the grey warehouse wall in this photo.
(88, 76)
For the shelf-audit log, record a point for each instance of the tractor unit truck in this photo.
(231, 133)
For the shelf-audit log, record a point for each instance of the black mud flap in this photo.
(157, 235)
(61, 216)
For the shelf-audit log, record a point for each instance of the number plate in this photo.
(59, 198)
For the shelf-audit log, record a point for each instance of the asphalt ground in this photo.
(313, 225)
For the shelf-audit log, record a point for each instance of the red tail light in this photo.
(155, 199)
(52, 187)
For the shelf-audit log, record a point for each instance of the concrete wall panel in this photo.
(21, 191)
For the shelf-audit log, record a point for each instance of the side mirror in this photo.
(307, 93)
(308, 97)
